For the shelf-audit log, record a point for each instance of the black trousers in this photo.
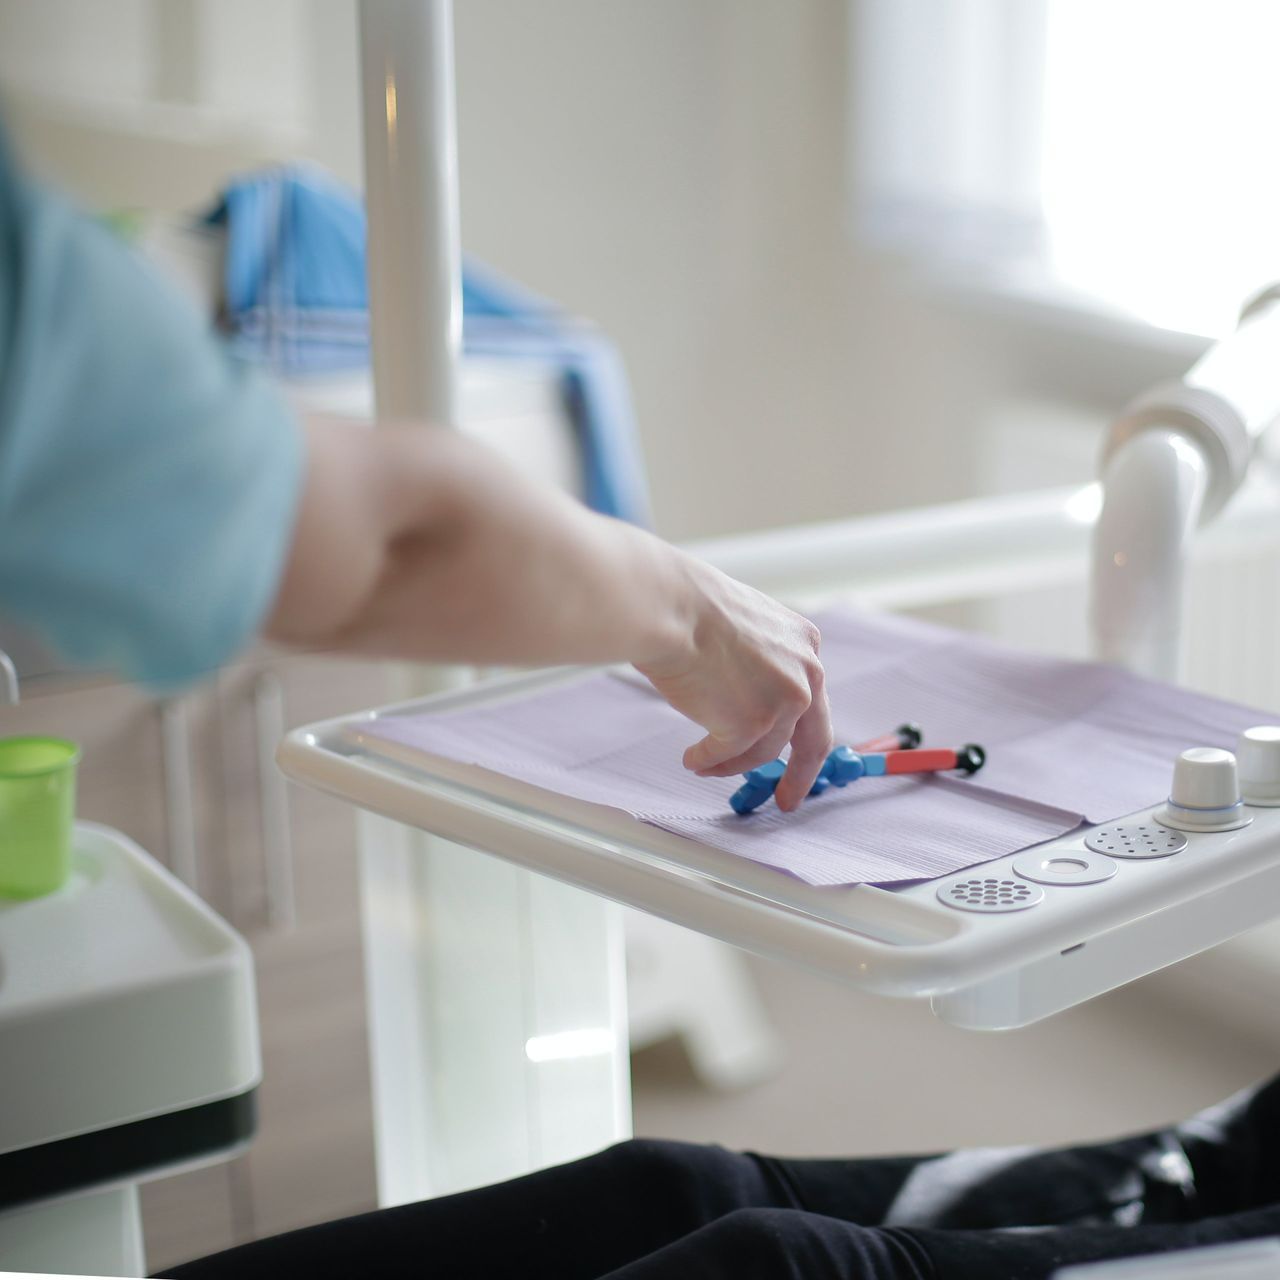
(648, 1209)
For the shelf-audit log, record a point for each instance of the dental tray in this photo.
(1000, 945)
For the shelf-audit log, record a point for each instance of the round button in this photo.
(1135, 840)
(1258, 757)
(1074, 866)
(985, 894)
(1205, 795)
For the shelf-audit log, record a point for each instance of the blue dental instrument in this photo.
(837, 770)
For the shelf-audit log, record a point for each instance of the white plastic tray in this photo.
(122, 996)
(986, 971)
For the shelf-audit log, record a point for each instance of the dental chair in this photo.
(1181, 465)
(462, 1098)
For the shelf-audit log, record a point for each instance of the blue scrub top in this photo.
(148, 479)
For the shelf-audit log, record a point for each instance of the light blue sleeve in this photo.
(148, 481)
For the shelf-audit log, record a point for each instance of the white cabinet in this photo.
(312, 1158)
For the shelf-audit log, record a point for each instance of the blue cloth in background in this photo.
(296, 300)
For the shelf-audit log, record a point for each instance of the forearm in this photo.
(418, 544)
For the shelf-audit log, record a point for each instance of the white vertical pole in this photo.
(469, 960)
(411, 192)
(8, 679)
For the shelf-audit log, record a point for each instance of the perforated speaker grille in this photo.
(989, 893)
(1135, 840)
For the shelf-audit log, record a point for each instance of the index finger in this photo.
(810, 744)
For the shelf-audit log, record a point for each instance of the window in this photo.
(1117, 154)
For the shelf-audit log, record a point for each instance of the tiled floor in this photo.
(870, 1075)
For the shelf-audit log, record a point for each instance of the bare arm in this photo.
(418, 544)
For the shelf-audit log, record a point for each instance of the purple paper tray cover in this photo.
(1067, 742)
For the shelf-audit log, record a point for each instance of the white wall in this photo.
(243, 58)
(674, 169)
(678, 173)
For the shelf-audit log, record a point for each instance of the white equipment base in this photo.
(98, 1233)
(497, 1016)
(984, 969)
(122, 996)
(129, 1044)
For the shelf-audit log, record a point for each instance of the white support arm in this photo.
(1175, 459)
(1154, 493)
(923, 555)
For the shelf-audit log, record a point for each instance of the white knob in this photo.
(1258, 754)
(1205, 795)
(1205, 778)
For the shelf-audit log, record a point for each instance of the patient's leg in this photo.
(575, 1222)
(605, 1214)
(658, 1209)
(1036, 1253)
(1224, 1161)
(1235, 1150)
(1011, 1212)
(789, 1244)
(1142, 1179)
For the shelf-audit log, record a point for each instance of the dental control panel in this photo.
(1212, 792)
(1139, 893)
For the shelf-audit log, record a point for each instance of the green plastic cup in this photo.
(37, 813)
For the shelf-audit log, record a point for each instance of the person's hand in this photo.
(747, 671)
(424, 545)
